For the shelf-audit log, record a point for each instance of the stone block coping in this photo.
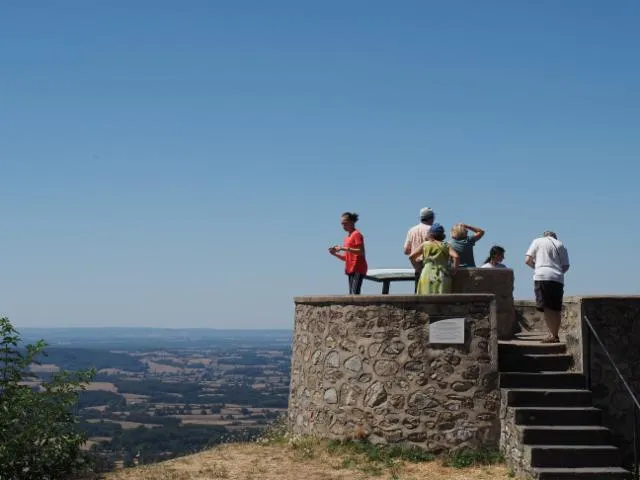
(395, 299)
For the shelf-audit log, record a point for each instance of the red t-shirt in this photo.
(355, 263)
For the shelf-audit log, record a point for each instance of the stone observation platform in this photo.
(467, 371)
(368, 364)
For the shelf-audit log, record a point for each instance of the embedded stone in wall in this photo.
(420, 401)
(317, 355)
(376, 395)
(332, 360)
(386, 368)
(461, 386)
(416, 350)
(414, 366)
(393, 349)
(350, 394)
(353, 363)
(331, 396)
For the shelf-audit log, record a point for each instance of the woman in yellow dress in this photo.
(436, 253)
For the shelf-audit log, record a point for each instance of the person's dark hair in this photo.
(440, 236)
(437, 232)
(495, 250)
(351, 216)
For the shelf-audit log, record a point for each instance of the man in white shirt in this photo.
(550, 260)
(416, 236)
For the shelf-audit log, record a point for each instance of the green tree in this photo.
(39, 437)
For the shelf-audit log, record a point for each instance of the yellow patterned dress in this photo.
(436, 275)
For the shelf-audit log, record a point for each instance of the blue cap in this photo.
(436, 229)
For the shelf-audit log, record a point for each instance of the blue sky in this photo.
(185, 163)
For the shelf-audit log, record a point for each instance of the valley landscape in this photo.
(162, 393)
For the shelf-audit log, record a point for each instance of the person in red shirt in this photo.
(355, 263)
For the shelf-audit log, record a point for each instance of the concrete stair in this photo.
(608, 473)
(546, 380)
(558, 416)
(560, 432)
(532, 397)
(566, 435)
(535, 362)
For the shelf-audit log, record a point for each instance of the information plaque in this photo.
(447, 330)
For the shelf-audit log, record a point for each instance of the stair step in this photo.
(527, 347)
(530, 397)
(558, 416)
(548, 380)
(514, 362)
(566, 435)
(606, 473)
(550, 456)
(539, 334)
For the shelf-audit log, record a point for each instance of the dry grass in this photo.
(282, 462)
(99, 408)
(110, 371)
(203, 360)
(133, 398)
(124, 423)
(44, 368)
(104, 386)
(162, 368)
(94, 441)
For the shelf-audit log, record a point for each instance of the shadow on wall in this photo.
(617, 323)
(498, 281)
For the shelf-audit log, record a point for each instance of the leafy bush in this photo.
(38, 429)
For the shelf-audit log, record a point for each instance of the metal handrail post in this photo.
(636, 469)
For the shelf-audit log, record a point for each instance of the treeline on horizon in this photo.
(195, 393)
(75, 359)
(147, 339)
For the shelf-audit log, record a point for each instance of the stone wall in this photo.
(617, 323)
(511, 442)
(364, 366)
(498, 281)
(528, 319)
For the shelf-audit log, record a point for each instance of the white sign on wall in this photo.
(447, 330)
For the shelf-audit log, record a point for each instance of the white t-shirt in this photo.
(491, 265)
(550, 257)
